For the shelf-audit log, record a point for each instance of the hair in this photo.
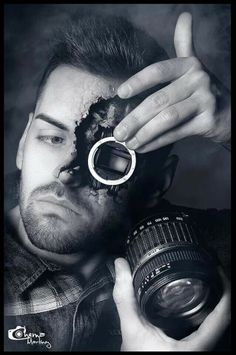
(104, 45)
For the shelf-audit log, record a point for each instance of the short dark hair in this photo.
(104, 45)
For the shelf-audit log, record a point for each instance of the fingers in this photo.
(157, 73)
(164, 121)
(186, 129)
(215, 323)
(154, 104)
(124, 297)
(183, 38)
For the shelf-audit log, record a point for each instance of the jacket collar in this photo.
(22, 268)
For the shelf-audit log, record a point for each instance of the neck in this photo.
(82, 260)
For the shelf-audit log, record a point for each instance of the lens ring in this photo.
(19, 334)
(91, 165)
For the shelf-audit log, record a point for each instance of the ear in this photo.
(164, 182)
(20, 152)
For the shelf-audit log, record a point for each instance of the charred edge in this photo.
(102, 115)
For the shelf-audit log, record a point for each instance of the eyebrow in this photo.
(48, 119)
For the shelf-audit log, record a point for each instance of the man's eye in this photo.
(53, 140)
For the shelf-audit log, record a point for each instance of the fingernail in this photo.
(124, 91)
(118, 264)
(121, 133)
(133, 143)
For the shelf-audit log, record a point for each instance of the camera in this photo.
(19, 333)
(175, 278)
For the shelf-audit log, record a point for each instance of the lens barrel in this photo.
(174, 277)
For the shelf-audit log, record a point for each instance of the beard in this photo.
(47, 233)
(50, 232)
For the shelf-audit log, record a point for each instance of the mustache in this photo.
(54, 187)
(59, 191)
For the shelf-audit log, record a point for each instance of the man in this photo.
(66, 231)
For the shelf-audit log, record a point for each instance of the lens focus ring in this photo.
(151, 235)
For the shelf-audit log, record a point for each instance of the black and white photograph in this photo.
(117, 177)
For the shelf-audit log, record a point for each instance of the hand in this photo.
(194, 103)
(139, 335)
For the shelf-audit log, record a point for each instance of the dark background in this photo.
(203, 174)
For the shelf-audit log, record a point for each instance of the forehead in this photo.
(69, 93)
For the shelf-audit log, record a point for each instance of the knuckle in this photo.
(201, 78)
(205, 78)
(132, 121)
(211, 101)
(117, 295)
(207, 124)
(210, 122)
(207, 100)
(162, 68)
(136, 82)
(159, 98)
(169, 114)
(194, 63)
(142, 135)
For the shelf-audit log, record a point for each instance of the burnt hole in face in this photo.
(102, 118)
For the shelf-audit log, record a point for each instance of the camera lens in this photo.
(180, 295)
(174, 277)
(18, 334)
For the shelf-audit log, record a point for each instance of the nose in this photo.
(68, 172)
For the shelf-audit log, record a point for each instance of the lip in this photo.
(61, 203)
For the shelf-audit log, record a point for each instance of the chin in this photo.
(51, 233)
(63, 259)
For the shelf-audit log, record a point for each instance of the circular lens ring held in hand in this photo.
(92, 167)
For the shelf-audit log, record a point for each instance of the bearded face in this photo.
(64, 215)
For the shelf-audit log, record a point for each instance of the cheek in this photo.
(37, 168)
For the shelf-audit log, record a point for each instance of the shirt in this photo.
(42, 298)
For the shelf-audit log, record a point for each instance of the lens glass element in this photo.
(181, 295)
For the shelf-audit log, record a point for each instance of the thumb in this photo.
(183, 38)
(124, 297)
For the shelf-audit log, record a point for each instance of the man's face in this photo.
(59, 215)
